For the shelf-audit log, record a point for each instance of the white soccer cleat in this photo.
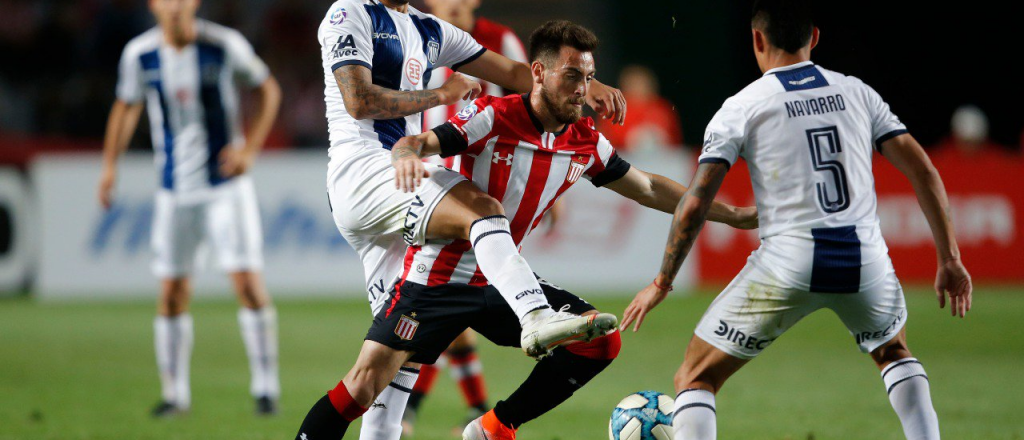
(544, 330)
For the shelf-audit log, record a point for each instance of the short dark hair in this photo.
(549, 39)
(788, 24)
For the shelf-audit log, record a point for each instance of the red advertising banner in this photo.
(986, 199)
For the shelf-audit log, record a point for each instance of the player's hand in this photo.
(952, 279)
(106, 189)
(607, 101)
(459, 87)
(746, 218)
(409, 169)
(234, 161)
(645, 301)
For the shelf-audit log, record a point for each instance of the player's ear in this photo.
(815, 34)
(759, 40)
(537, 69)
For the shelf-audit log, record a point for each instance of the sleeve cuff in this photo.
(451, 139)
(348, 62)
(887, 136)
(616, 168)
(728, 164)
(468, 60)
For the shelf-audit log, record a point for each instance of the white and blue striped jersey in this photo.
(808, 135)
(400, 49)
(192, 98)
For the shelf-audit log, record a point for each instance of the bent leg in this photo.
(466, 213)
(466, 369)
(908, 388)
(331, 416)
(704, 371)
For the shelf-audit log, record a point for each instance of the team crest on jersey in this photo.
(433, 50)
(467, 112)
(576, 167)
(338, 16)
(406, 327)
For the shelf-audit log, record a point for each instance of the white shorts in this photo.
(377, 219)
(758, 306)
(227, 219)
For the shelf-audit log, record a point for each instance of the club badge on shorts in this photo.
(579, 163)
(406, 328)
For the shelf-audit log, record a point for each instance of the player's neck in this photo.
(398, 6)
(182, 37)
(546, 119)
(781, 58)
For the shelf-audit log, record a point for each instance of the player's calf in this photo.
(704, 371)
(907, 385)
(556, 378)
(330, 417)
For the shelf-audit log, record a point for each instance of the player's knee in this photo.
(361, 384)
(174, 297)
(892, 351)
(484, 205)
(606, 347)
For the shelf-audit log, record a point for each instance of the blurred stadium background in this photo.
(76, 291)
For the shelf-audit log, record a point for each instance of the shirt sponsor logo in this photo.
(338, 16)
(406, 328)
(467, 112)
(414, 71)
(344, 47)
(576, 167)
(741, 339)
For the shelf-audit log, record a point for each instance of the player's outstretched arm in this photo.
(952, 278)
(236, 161)
(689, 218)
(364, 100)
(513, 75)
(121, 123)
(659, 192)
(407, 157)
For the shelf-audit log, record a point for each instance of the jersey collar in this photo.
(789, 67)
(533, 117)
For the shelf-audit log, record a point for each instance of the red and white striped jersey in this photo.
(501, 147)
(495, 38)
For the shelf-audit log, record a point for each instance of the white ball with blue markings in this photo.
(645, 415)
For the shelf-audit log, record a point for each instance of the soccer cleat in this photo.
(487, 427)
(166, 410)
(265, 406)
(542, 331)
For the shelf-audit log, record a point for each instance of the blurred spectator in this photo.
(968, 139)
(651, 121)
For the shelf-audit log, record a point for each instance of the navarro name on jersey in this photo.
(815, 106)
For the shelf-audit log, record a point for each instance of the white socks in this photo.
(907, 385)
(501, 263)
(259, 333)
(173, 339)
(693, 417)
(383, 421)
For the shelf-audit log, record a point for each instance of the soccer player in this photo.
(377, 57)
(187, 72)
(525, 150)
(807, 134)
(461, 357)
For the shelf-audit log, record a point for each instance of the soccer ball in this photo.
(645, 415)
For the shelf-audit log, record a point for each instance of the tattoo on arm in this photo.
(379, 102)
(690, 216)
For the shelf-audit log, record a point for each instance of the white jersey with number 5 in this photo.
(808, 135)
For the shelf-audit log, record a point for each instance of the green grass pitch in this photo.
(86, 371)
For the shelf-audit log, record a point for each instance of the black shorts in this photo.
(425, 320)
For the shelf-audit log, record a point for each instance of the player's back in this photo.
(808, 135)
